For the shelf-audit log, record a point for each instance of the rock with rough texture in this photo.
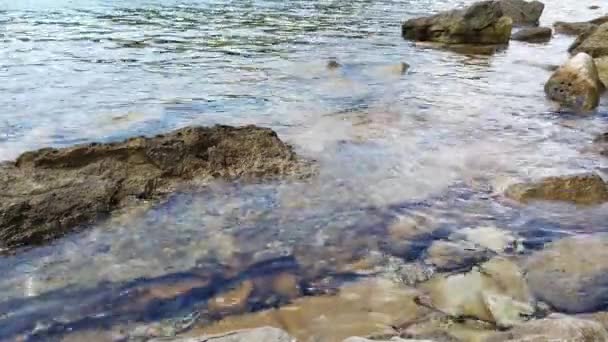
(571, 274)
(601, 64)
(576, 84)
(523, 12)
(576, 28)
(593, 42)
(481, 23)
(584, 189)
(447, 256)
(556, 327)
(265, 334)
(50, 192)
(533, 35)
(494, 292)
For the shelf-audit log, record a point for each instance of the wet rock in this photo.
(358, 309)
(583, 189)
(494, 292)
(575, 28)
(266, 334)
(393, 339)
(447, 256)
(593, 42)
(50, 192)
(464, 49)
(491, 238)
(575, 84)
(571, 274)
(408, 237)
(481, 23)
(232, 301)
(523, 12)
(533, 35)
(441, 328)
(333, 64)
(593, 7)
(556, 327)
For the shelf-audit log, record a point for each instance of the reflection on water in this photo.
(434, 145)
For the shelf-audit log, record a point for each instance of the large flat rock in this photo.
(50, 192)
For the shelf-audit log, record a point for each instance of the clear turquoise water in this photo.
(440, 141)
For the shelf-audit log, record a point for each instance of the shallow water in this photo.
(439, 142)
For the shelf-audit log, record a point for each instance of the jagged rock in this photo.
(50, 192)
(593, 42)
(266, 334)
(533, 34)
(523, 12)
(481, 23)
(571, 274)
(556, 327)
(584, 189)
(576, 84)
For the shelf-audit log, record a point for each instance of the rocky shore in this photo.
(422, 281)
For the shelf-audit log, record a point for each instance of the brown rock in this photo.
(233, 301)
(593, 42)
(481, 23)
(50, 192)
(553, 328)
(576, 84)
(585, 189)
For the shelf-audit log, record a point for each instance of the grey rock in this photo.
(571, 274)
(481, 23)
(533, 35)
(523, 12)
(447, 256)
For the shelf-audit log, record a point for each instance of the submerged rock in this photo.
(447, 256)
(358, 309)
(533, 35)
(571, 274)
(593, 42)
(481, 23)
(492, 238)
(50, 192)
(523, 12)
(495, 292)
(556, 327)
(393, 339)
(266, 334)
(584, 189)
(576, 84)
